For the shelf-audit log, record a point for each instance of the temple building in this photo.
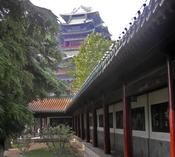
(74, 29)
(49, 112)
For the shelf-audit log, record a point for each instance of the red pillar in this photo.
(171, 106)
(73, 123)
(128, 152)
(76, 125)
(79, 135)
(41, 124)
(87, 127)
(82, 125)
(107, 145)
(35, 127)
(45, 122)
(94, 116)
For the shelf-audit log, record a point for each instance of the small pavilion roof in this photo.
(49, 105)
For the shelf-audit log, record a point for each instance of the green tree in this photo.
(28, 54)
(91, 51)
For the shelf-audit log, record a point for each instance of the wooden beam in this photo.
(128, 152)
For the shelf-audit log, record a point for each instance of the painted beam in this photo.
(128, 150)
(107, 144)
(171, 93)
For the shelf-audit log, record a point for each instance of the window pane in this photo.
(138, 118)
(159, 115)
(119, 119)
(101, 120)
(111, 120)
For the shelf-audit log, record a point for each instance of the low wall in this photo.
(91, 151)
(142, 147)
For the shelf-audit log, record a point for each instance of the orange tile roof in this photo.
(49, 105)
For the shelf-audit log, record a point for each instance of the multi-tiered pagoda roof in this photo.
(77, 26)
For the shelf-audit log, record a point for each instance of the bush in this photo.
(58, 139)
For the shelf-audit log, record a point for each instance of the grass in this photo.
(39, 153)
(45, 153)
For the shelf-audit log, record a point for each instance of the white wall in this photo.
(145, 100)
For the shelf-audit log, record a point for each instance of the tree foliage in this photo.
(91, 51)
(28, 54)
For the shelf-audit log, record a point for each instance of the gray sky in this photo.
(116, 14)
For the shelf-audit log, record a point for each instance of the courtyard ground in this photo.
(14, 152)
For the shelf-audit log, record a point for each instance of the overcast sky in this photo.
(116, 14)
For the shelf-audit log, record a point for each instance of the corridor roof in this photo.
(49, 105)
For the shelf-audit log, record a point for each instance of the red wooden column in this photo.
(128, 152)
(94, 119)
(76, 125)
(171, 106)
(41, 123)
(107, 144)
(82, 125)
(35, 127)
(87, 127)
(73, 123)
(79, 135)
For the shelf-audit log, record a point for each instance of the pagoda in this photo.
(74, 29)
(77, 26)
